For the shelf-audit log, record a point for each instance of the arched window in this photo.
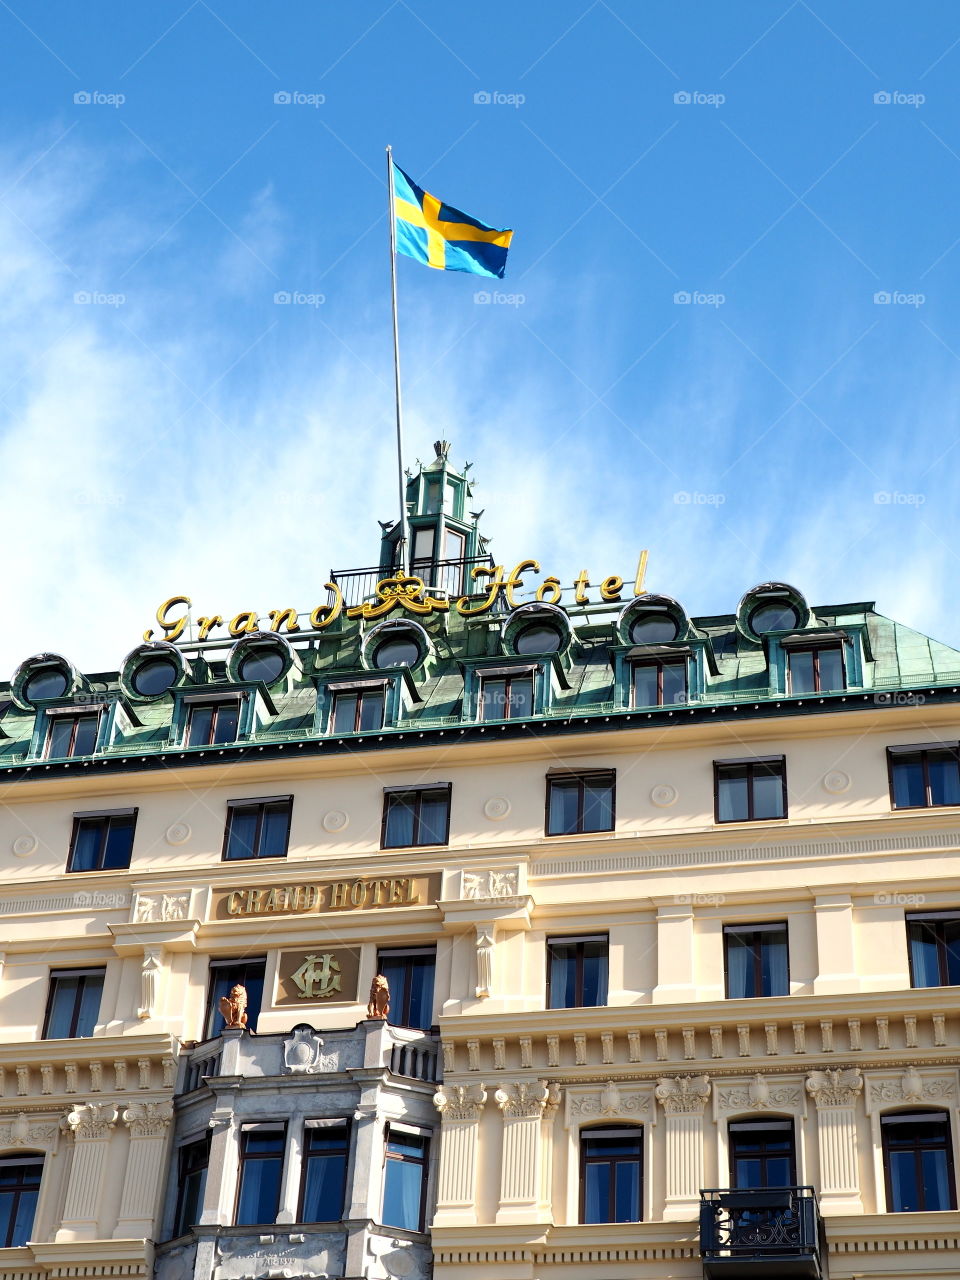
(611, 1174)
(19, 1189)
(762, 1154)
(918, 1161)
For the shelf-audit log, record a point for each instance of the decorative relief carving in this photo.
(301, 1053)
(912, 1086)
(663, 795)
(460, 1101)
(250, 1257)
(148, 1119)
(149, 908)
(485, 953)
(526, 1099)
(836, 782)
(449, 1058)
(149, 977)
(611, 1101)
(178, 833)
(23, 846)
(835, 1088)
(680, 1095)
(496, 808)
(499, 1053)
(91, 1120)
(490, 885)
(663, 1051)
(759, 1094)
(30, 1131)
(335, 820)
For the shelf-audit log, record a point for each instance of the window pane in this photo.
(62, 1003)
(274, 831)
(324, 1187)
(86, 846)
(594, 973)
(831, 669)
(259, 1190)
(645, 686)
(767, 791)
(344, 712)
(627, 1191)
(89, 1004)
(403, 1182)
(904, 1188)
(801, 673)
(944, 777)
(119, 843)
(493, 697)
(371, 711)
(201, 719)
(748, 1173)
(564, 803)
(924, 958)
(422, 970)
(936, 1187)
(674, 683)
(908, 787)
(22, 1224)
(61, 731)
(951, 947)
(562, 968)
(596, 1192)
(86, 738)
(741, 969)
(773, 963)
(222, 978)
(399, 825)
(433, 818)
(732, 794)
(423, 545)
(597, 806)
(243, 830)
(228, 719)
(521, 698)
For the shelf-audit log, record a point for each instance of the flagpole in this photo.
(402, 545)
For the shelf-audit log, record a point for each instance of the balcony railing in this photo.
(770, 1232)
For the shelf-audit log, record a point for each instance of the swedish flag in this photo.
(440, 236)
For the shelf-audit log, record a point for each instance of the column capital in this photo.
(835, 1088)
(148, 1119)
(527, 1099)
(91, 1120)
(681, 1095)
(460, 1101)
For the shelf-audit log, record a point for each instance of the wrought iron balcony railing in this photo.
(770, 1232)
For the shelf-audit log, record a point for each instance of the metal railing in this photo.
(768, 1231)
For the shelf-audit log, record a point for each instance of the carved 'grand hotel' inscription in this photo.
(358, 894)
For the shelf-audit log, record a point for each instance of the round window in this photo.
(778, 615)
(154, 676)
(263, 664)
(653, 628)
(396, 651)
(48, 682)
(538, 638)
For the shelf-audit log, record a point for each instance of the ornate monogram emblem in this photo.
(318, 976)
(399, 592)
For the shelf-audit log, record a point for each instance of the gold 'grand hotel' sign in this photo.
(358, 894)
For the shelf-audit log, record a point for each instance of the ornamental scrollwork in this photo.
(148, 1119)
(527, 1099)
(609, 1102)
(91, 1120)
(911, 1086)
(838, 1087)
(460, 1101)
(759, 1094)
(680, 1095)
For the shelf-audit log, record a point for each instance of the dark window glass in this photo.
(400, 651)
(404, 1180)
(213, 723)
(103, 843)
(924, 779)
(192, 1166)
(750, 792)
(755, 961)
(653, 628)
(225, 974)
(416, 818)
(816, 670)
(777, 616)
(358, 712)
(610, 1175)
(48, 682)
(73, 1003)
(918, 1162)
(538, 638)
(261, 1166)
(580, 803)
(263, 663)
(409, 972)
(934, 950)
(72, 736)
(324, 1177)
(154, 676)
(577, 972)
(762, 1154)
(19, 1190)
(659, 684)
(506, 697)
(257, 830)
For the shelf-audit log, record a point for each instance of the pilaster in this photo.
(683, 1099)
(460, 1107)
(675, 977)
(148, 1123)
(91, 1124)
(835, 1093)
(524, 1172)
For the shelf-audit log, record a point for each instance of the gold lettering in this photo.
(245, 621)
(515, 580)
(280, 616)
(551, 586)
(413, 893)
(338, 893)
(396, 889)
(357, 893)
(207, 625)
(324, 614)
(641, 573)
(234, 907)
(172, 629)
(379, 886)
(312, 896)
(496, 586)
(253, 898)
(611, 587)
(272, 901)
(580, 584)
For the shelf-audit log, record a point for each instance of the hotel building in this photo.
(668, 907)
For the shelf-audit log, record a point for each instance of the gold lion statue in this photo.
(234, 1007)
(379, 1005)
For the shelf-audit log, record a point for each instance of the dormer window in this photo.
(154, 676)
(654, 628)
(538, 638)
(46, 682)
(396, 651)
(506, 697)
(816, 670)
(358, 710)
(778, 615)
(72, 735)
(213, 723)
(259, 658)
(659, 682)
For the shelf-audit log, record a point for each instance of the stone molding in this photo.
(151, 908)
(683, 1095)
(759, 1093)
(41, 1132)
(611, 1101)
(918, 1085)
(301, 1052)
(460, 1101)
(835, 1088)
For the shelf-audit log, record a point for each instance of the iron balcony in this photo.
(768, 1232)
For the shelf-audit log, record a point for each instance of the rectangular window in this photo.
(226, 974)
(578, 803)
(213, 723)
(755, 960)
(416, 817)
(72, 735)
(750, 791)
(73, 1003)
(659, 683)
(19, 1190)
(817, 670)
(192, 1164)
(404, 1179)
(918, 1162)
(409, 972)
(261, 1167)
(359, 712)
(924, 778)
(324, 1177)
(762, 1154)
(506, 697)
(611, 1164)
(934, 941)
(102, 842)
(577, 971)
(257, 829)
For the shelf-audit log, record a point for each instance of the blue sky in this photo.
(791, 169)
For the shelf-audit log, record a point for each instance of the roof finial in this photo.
(442, 449)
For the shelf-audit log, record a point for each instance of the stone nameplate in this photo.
(324, 975)
(364, 893)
